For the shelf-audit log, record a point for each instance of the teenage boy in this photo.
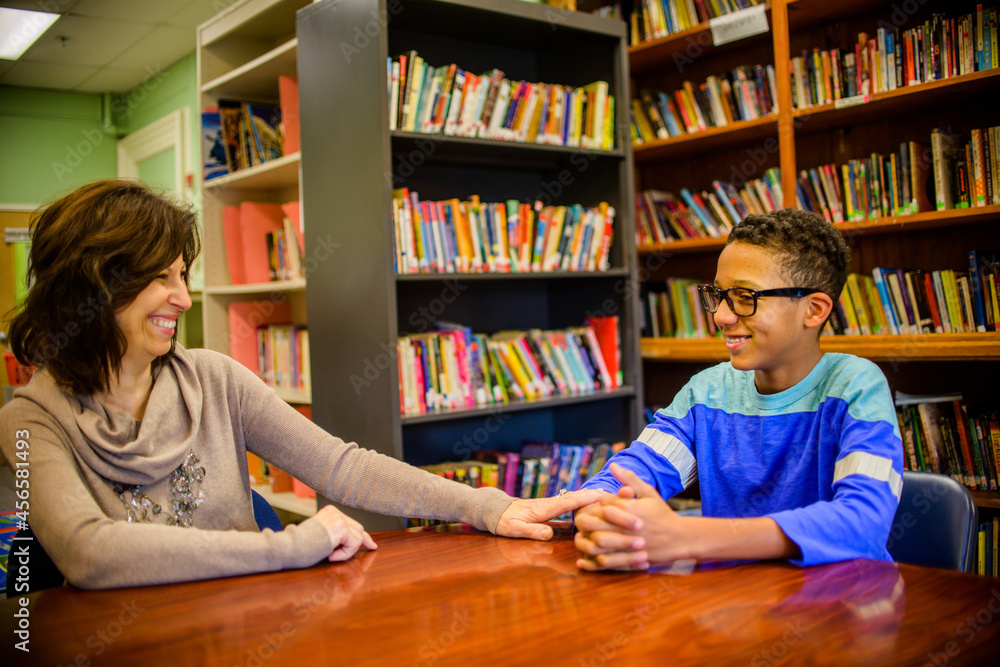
(797, 452)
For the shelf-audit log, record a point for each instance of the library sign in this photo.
(738, 25)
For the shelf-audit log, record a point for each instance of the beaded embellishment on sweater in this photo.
(185, 490)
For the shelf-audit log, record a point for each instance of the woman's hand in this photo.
(526, 518)
(346, 534)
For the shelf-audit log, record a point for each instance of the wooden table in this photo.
(452, 596)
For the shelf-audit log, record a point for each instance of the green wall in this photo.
(161, 93)
(55, 141)
(52, 143)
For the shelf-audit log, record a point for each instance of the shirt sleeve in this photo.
(354, 476)
(867, 482)
(93, 551)
(662, 455)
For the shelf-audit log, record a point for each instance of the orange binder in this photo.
(288, 98)
(606, 329)
(234, 244)
(257, 219)
(244, 318)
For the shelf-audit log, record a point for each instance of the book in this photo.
(213, 145)
(256, 220)
(288, 96)
(244, 319)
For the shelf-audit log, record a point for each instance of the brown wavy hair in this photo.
(92, 253)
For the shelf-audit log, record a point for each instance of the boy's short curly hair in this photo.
(810, 251)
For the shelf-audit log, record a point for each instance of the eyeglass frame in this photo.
(793, 292)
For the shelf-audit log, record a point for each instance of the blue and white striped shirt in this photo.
(822, 458)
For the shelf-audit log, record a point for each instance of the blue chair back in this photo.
(936, 524)
(264, 514)
(29, 567)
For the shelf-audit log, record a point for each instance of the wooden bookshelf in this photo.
(937, 347)
(241, 52)
(824, 134)
(888, 225)
(358, 306)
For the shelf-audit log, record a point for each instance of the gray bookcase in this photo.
(351, 161)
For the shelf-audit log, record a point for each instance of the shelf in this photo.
(692, 44)
(986, 499)
(439, 146)
(263, 20)
(273, 174)
(518, 406)
(257, 288)
(298, 396)
(539, 275)
(943, 92)
(286, 500)
(685, 145)
(257, 79)
(924, 347)
(897, 223)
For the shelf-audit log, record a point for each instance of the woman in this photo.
(129, 436)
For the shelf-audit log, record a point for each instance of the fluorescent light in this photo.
(19, 29)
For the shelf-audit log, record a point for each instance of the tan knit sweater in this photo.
(203, 403)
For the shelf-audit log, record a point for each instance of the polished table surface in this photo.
(452, 596)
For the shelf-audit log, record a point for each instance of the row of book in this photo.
(264, 242)
(940, 48)
(538, 470)
(676, 312)
(653, 19)
(238, 135)
(894, 301)
(877, 186)
(940, 435)
(454, 236)
(744, 93)
(888, 302)
(453, 368)
(456, 102)
(967, 173)
(283, 357)
(663, 217)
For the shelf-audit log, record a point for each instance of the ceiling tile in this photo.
(158, 50)
(44, 75)
(112, 79)
(130, 10)
(195, 13)
(89, 41)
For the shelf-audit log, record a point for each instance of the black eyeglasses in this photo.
(743, 301)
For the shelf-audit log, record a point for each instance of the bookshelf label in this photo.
(845, 102)
(738, 25)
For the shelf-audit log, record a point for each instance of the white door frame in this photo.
(171, 131)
